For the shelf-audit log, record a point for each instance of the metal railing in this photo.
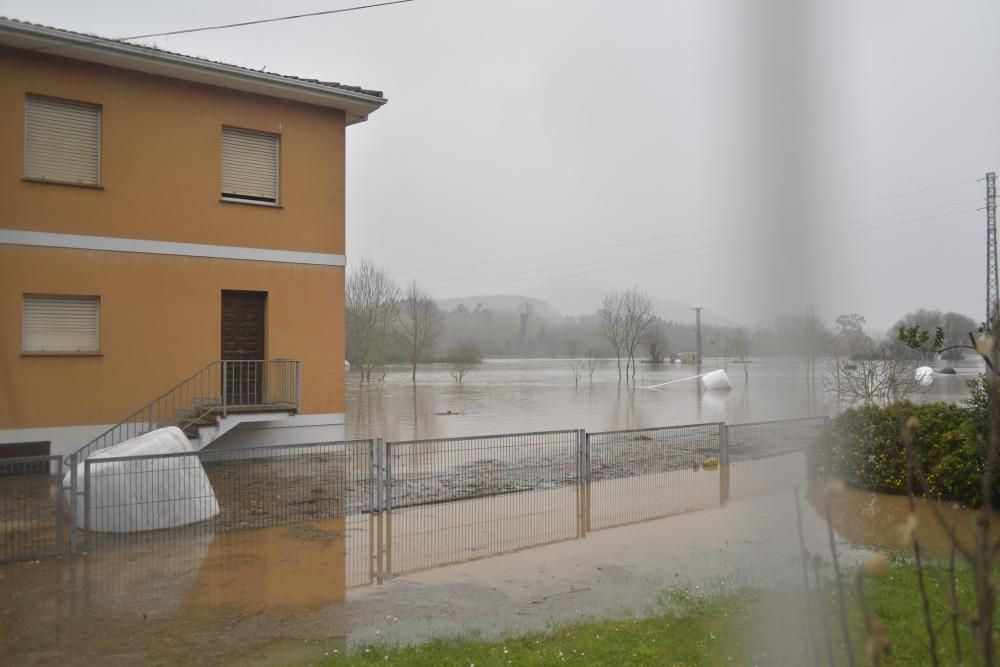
(31, 508)
(219, 388)
(644, 474)
(754, 450)
(397, 507)
(143, 503)
(456, 499)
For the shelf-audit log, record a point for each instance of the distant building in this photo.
(170, 226)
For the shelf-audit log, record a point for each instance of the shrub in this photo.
(864, 447)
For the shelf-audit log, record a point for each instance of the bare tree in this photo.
(576, 368)
(878, 375)
(592, 363)
(420, 323)
(739, 343)
(371, 301)
(637, 311)
(462, 359)
(612, 324)
(657, 343)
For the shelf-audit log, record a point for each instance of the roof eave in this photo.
(356, 105)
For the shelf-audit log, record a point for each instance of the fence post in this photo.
(586, 482)
(298, 385)
(59, 505)
(72, 503)
(580, 437)
(379, 514)
(387, 460)
(86, 504)
(723, 463)
(225, 386)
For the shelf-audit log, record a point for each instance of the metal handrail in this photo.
(222, 386)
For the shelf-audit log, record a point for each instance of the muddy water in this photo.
(204, 601)
(511, 395)
(878, 520)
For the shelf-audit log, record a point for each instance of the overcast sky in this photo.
(751, 157)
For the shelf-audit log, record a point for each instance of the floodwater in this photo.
(517, 395)
(508, 563)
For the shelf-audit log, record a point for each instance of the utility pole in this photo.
(697, 328)
(991, 248)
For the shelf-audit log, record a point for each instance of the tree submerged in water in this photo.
(464, 358)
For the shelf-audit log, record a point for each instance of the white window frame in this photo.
(277, 169)
(100, 141)
(59, 353)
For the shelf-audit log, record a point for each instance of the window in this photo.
(249, 166)
(61, 324)
(62, 141)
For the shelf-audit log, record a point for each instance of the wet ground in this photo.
(280, 594)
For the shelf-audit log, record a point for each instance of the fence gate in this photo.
(31, 508)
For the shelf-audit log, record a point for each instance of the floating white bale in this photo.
(924, 375)
(716, 381)
(147, 493)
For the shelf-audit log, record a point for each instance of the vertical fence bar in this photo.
(373, 543)
(387, 461)
(86, 505)
(298, 384)
(225, 387)
(587, 475)
(59, 505)
(724, 471)
(72, 503)
(380, 515)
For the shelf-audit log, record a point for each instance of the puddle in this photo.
(206, 600)
(875, 520)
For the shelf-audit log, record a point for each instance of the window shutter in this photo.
(61, 323)
(62, 141)
(249, 165)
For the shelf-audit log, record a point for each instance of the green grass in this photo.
(744, 628)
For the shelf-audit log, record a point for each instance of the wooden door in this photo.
(243, 325)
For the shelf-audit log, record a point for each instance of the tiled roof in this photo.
(153, 51)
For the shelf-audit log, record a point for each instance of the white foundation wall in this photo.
(63, 440)
(294, 430)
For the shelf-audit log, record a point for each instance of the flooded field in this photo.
(484, 534)
(513, 395)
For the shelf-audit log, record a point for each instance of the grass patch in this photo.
(745, 628)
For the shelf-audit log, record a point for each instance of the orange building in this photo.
(171, 246)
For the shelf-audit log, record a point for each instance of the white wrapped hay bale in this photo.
(924, 375)
(146, 493)
(716, 381)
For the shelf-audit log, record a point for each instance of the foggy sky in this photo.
(743, 156)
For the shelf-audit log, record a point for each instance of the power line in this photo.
(683, 250)
(226, 26)
(774, 243)
(291, 17)
(683, 234)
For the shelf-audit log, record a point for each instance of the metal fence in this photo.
(457, 499)
(393, 507)
(644, 474)
(138, 503)
(31, 508)
(758, 452)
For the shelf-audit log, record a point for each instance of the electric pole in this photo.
(697, 328)
(991, 248)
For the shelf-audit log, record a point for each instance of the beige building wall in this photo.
(160, 182)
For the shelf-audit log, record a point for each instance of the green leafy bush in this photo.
(864, 447)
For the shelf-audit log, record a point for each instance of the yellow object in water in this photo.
(711, 462)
